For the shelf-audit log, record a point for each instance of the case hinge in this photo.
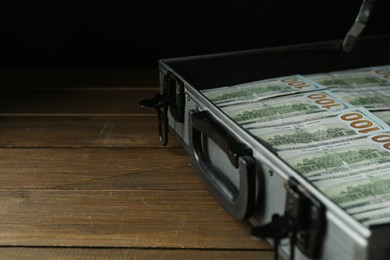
(174, 87)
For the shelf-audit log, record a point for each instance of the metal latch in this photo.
(171, 98)
(175, 89)
(303, 222)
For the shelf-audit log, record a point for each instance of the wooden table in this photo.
(82, 174)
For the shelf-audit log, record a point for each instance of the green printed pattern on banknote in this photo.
(327, 181)
(368, 98)
(354, 152)
(258, 90)
(363, 190)
(367, 199)
(372, 77)
(317, 129)
(285, 107)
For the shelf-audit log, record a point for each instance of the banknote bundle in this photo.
(317, 130)
(366, 87)
(285, 107)
(362, 78)
(259, 90)
(332, 128)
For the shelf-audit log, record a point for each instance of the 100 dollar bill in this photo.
(350, 155)
(371, 77)
(285, 107)
(318, 129)
(366, 198)
(384, 115)
(258, 90)
(378, 99)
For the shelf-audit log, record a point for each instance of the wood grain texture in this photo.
(83, 176)
(96, 169)
(80, 131)
(122, 254)
(115, 218)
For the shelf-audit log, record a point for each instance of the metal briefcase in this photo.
(244, 175)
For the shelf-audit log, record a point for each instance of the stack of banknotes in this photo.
(332, 128)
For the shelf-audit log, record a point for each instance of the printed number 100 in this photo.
(323, 100)
(363, 126)
(384, 138)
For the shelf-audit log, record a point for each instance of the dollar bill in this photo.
(258, 90)
(354, 196)
(384, 115)
(362, 193)
(318, 129)
(379, 202)
(366, 199)
(352, 154)
(372, 99)
(285, 107)
(370, 77)
(363, 172)
(378, 219)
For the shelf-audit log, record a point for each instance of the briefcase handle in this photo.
(240, 203)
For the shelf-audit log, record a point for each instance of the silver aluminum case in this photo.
(345, 238)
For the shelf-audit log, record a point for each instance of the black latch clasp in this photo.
(303, 222)
(160, 103)
(171, 99)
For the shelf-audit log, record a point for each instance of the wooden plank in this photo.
(125, 102)
(92, 190)
(81, 131)
(81, 167)
(152, 219)
(93, 78)
(113, 169)
(124, 253)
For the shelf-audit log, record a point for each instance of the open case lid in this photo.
(225, 69)
(210, 71)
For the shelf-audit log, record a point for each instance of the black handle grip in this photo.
(240, 203)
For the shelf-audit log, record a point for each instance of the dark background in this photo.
(118, 33)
